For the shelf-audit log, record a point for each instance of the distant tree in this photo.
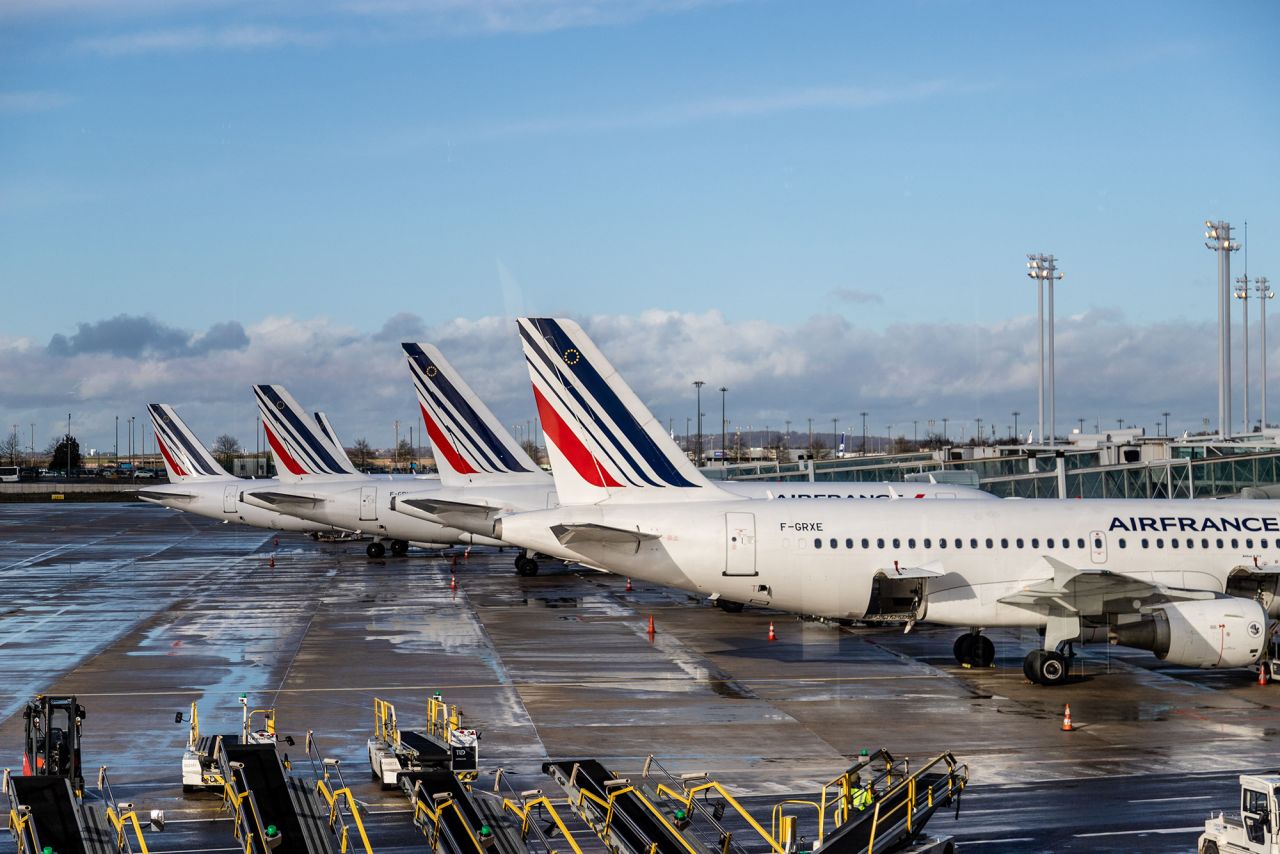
(819, 449)
(360, 453)
(11, 448)
(535, 453)
(65, 454)
(224, 450)
(778, 445)
(902, 445)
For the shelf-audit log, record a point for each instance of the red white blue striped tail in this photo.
(300, 449)
(184, 456)
(469, 444)
(603, 442)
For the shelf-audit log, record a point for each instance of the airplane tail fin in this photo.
(603, 442)
(184, 456)
(300, 449)
(470, 445)
(326, 428)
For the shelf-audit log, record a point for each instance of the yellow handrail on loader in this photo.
(625, 789)
(524, 810)
(335, 796)
(687, 796)
(428, 811)
(956, 778)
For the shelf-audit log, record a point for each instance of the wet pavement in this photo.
(141, 611)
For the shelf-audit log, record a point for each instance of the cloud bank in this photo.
(823, 368)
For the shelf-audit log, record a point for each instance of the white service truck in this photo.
(1255, 828)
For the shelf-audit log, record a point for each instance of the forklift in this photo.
(52, 746)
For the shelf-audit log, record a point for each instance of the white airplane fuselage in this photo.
(363, 505)
(520, 498)
(220, 499)
(823, 557)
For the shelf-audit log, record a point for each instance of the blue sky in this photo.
(336, 164)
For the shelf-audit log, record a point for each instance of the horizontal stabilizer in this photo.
(588, 533)
(156, 495)
(287, 498)
(440, 507)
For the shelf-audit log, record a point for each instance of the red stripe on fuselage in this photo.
(289, 462)
(441, 444)
(173, 464)
(586, 465)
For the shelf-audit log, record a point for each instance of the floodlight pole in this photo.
(1218, 236)
(1242, 294)
(1044, 269)
(697, 450)
(1264, 293)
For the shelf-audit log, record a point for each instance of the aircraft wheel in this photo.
(527, 567)
(1031, 665)
(399, 548)
(983, 651)
(962, 649)
(375, 550)
(1209, 848)
(729, 606)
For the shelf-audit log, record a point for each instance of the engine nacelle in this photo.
(1222, 632)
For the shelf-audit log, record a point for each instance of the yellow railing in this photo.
(385, 727)
(627, 789)
(234, 802)
(525, 811)
(686, 798)
(955, 780)
(336, 796)
(121, 818)
(428, 815)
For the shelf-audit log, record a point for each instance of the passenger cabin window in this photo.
(1004, 542)
(1204, 544)
(880, 542)
(1235, 543)
(866, 544)
(1173, 542)
(1159, 542)
(1048, 543)
(973, 543)
(1120, 542)
(1018, 542)
(817, 542)
(848, 544)
(1146, 543)
(990, 543)
(928, 543)
(835, 543)
(1219, 542)
(1191, 544)
(942, 542)
(1079, 542)
(1248, 544)
(897, 543)
(1035, 542)
(911, 543)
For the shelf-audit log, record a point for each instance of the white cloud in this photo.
(185, 39)
(464, 17)
(32, 101)
(825, 367)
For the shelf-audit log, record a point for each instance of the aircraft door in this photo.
(740, 544)
(229, 499)
(1098, 546)
(368, 503)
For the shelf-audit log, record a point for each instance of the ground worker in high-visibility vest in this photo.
(862, 797)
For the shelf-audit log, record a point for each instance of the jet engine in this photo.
(1222, 632)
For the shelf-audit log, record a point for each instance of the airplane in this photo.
(318, 483)
(1192, 581)
(485, 473)
(199, 485)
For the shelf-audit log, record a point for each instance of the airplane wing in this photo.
(604, 535)
(1092, 591)
(287, 498)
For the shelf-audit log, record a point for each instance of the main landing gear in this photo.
(729, 606)
(974, 649)
(525, 565)
(1047, 667)
(377, 549)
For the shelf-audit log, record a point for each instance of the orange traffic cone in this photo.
(1262, 673)
(1066, 719)
(628, 585)
(651, 629)
(773, 636)
(453, 582)
(271, 561)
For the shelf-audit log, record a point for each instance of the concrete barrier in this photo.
(39, 492)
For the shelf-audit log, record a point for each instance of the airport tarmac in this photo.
(141, 611)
